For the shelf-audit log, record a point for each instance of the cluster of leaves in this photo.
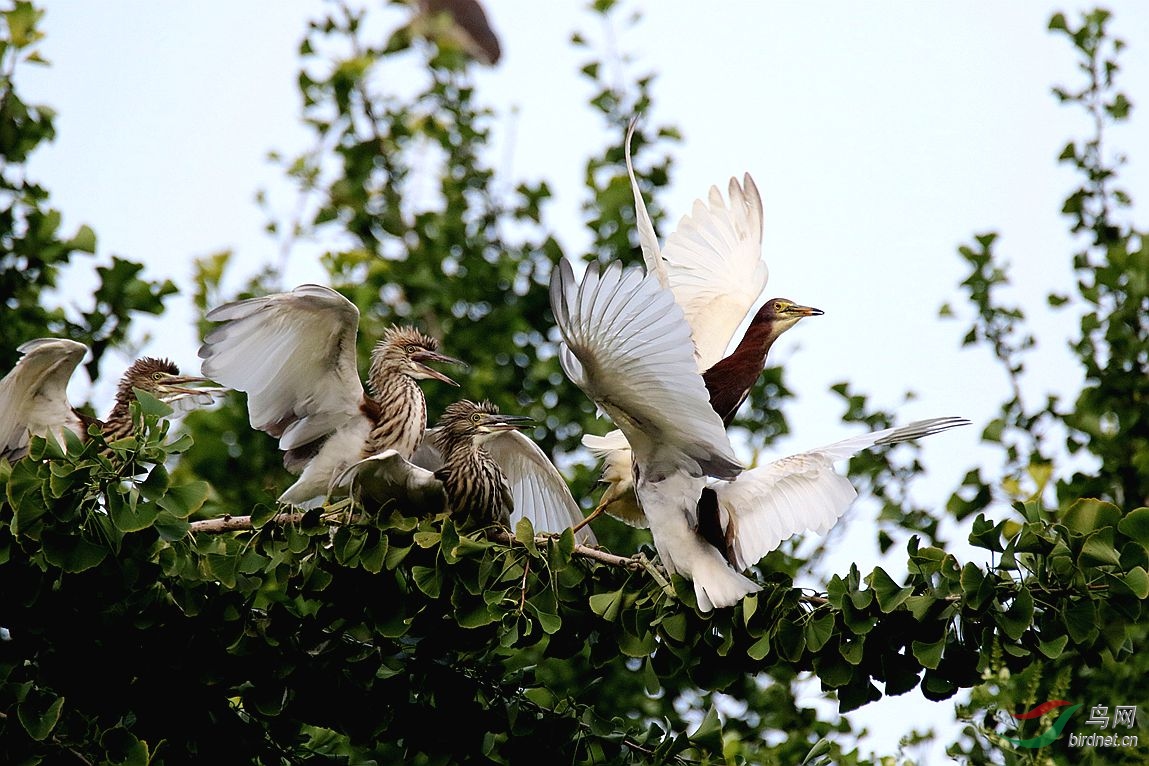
(1094, 546)
(33, 251)
(95, 487)
(319, 634)
(83, 527)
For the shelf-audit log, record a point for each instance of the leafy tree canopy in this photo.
(158, 608)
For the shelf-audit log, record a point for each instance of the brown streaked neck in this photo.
(118, 424)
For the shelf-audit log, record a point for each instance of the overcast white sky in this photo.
(882, 136)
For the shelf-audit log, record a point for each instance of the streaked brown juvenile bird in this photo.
(34, 395)
(294, 355)
(474, 482)
(538, 491)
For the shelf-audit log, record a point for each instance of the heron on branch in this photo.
(626, 344)
(294, 355)
(34, 395)
(479, 464)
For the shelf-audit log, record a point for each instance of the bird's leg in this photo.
(599, 509)
(593, 515)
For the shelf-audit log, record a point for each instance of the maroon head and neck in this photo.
(729, 381)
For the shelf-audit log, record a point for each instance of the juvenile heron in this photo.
(34, 396)
(294, 355)
(468, 438)
(623, 345)
(474, 483)
(712, 264)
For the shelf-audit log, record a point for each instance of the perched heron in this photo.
(626, 345)
(473, 440)
(712, 264)
(475, 485)
(34, 397)
(294, 355)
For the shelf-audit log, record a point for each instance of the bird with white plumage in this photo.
(626, 344)
(294, 354)
(712, 263)
(34, 395)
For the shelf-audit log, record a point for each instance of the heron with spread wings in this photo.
(34, 395)
(712, 264)
(294, 355)
(626, 344)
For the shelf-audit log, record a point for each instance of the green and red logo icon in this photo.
(1053, 732)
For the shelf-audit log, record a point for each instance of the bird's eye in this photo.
(157, 376)
(476, 417)
(412, 348)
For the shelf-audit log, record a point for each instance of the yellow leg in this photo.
(598, 511)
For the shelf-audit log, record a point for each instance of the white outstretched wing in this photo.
(647, 238)
(294, 355)
(802, 492)
(626, 344)
(387, 478)
(538, 490)
(34, 394)
(714, 266)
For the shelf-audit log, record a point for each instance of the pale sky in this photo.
(881, 135)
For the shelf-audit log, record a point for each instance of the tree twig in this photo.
(229, 523)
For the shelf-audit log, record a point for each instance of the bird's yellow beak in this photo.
(803, 311)
(422, 357)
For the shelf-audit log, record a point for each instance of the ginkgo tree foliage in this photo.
(157, 607)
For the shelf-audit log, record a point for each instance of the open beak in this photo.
(494, 423)
(179, 386)
(422, 357)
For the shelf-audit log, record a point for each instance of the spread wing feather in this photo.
(714, 266)
(802, 492)
(539, 491)
(627, 346)
(294, 355)
(387, 477)
(34, 394)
